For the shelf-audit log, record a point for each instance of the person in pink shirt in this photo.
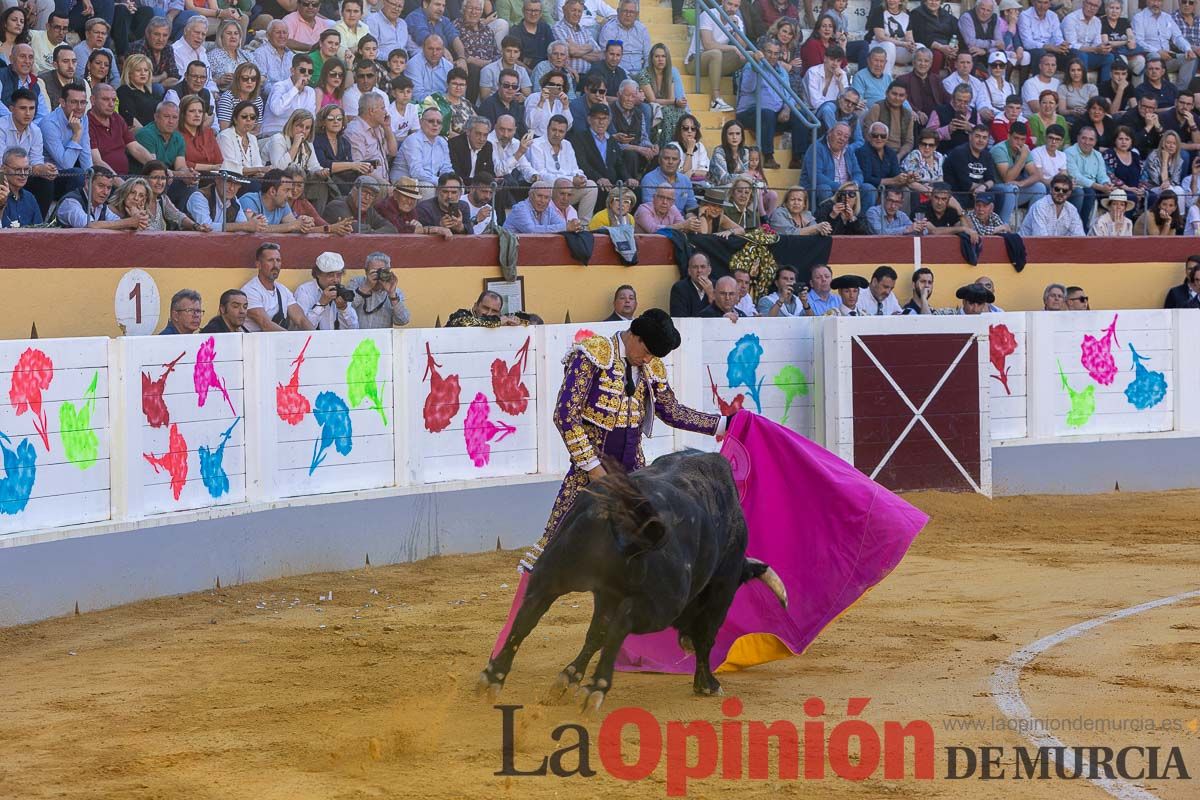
(305, 26)
(661, 212)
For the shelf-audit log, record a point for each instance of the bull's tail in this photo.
(754, 569)
(638, 527)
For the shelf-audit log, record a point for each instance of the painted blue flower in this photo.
(742, 367)
(1148, 388)
(333, 415)
(212, 466)
(20, 472)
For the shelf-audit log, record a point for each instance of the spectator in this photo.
(551, 102)
(201, 152)
(879, 164)
(535, 214)
(430, 70)
(333, 152)
(718, 55)
(247, 85)
(351, 28)
(508, 153)
(1155, 83)
(954, 122)
(663, 89)
(616, 211)
(430, 19)
(486, 313)
(239, 146)
(745, 302)
(1035, 87)
(1144, 121)
(691, 295)
(195, 82)
(970, 169)
(60, 76)
(1015, 166)
(880, 300)
(94, 38)
(1095, 116)
(1163, 168)
(599, 155)
(628, 29)
(925, 92)
(848, 109)
(997, 88)
(1012, 113)
(661, 212)
(821, 298)
(20, 74)
(667, 174)
(227, 55)
(272, 204)
(67, 141)
(557, 61)
(888, 29)
(984, 220)
(827, 160)
(1053, 215)
(1162, 218)
(1114, 223)
(711, 215)
(98, 69)
(624, 298)
(894, 113)
(305, 26)
(403, 114)
(872, 82)
(271, 306)
(1086, 168)
(472, 153)
(1083, 32)
(1049, 158)
(825, 81)
(329, 82)
(186, 313)
(1041, 33)
(507, 101)
(1182, 120)
(1187, 294)
(386, 25)
(740, 206)
(534, 34)
(942, 216)
(933, 26)
(162, 140)
(824, 35)
(887, 219)
(215, 206)
(1158, 34)
(628, 126)
(609, 71)
(962, 75)
(725, 298)
(478, 44)
(17, 129)
(1123, 163)
(425, 155)
(582, 49)
(976, 299)
(787, 300)
(273, 58)
(843, 212)
(378, 303)
(399, 208)
(1054, 297)
(357, 208)
(922, 290)
(48, 39)
(294, 145)
(793, 217)
(88, 207)
(695, 161)
(925, 163)
(324, 300)
(561, 198)
(848, 288)
(111, 140)
(190, 48)
(1077, 300)
(232, 316)
(370, 136)
(509, 59)
(763, 104)
(480, 202)
(290, 95)
(446, 209)
(981, 32)
(20, 207)
(987, 283)
(552, 158)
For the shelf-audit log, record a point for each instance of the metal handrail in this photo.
(749, 51)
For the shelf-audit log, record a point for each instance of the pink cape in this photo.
(828, 530)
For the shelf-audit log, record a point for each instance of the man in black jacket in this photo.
(471, 153)
(598, 153)
(691, 295)
(233, 313)
(1185, 295)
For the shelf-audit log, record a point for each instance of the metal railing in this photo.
(751, 54)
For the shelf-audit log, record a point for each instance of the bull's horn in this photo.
(771, 578)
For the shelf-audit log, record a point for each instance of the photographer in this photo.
(446, 209)
(377, 301)
(788, 300)
(325, 301)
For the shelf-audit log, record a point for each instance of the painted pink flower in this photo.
(30, 378)
(480, 431)
(583, 333)
(512, 395)
(205, 377)
(1096, 355)
(290, 404)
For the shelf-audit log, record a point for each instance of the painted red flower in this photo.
(1001, 344)
(582, 334)
(154, 406)
(442, 402)
(174, 461)
(512, 395)
(726, 408)
(290, 405)
(30, 378)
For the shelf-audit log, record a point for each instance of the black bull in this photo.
(663, 547)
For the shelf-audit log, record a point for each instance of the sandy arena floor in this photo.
(262, 691)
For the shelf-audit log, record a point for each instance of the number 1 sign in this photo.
(136, 303)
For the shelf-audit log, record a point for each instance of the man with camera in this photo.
(446, 208)
(326, 303)
(377, 301)
(788, 300)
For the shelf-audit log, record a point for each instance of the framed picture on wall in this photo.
(513, 293)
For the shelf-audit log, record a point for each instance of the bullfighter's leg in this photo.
(491, 680)
(619, 626)
(571, 676)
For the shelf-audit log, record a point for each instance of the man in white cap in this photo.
(325, 301)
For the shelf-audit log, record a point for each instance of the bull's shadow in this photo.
(663, 547)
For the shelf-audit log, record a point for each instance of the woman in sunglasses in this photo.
(842, 212)
(695, 154)
(246, 86)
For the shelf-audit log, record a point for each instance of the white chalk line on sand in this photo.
(1006, 691)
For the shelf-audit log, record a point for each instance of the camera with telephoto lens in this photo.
(383, 274)
(344, 293)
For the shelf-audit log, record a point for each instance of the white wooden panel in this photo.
(1009, 398)
(54, 407)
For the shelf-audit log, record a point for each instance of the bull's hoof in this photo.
(592, 702)
(488, 686)
(557, 692)
(712, 689)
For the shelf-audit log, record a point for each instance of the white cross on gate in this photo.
(919, 413)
